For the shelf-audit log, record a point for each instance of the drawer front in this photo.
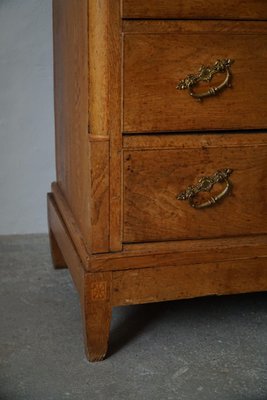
(154, 177)
(154, 63)
(192, 9)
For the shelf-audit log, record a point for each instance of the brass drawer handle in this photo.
(205, 74)
(205, 184)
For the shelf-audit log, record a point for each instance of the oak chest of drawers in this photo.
(161, 152)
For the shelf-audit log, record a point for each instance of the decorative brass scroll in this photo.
(205, 184)
(205, 74)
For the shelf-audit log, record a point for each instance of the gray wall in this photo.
(26, 115)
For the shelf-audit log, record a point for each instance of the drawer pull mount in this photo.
(205, 74)
(205, 184)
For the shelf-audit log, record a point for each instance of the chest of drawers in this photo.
(161, 152)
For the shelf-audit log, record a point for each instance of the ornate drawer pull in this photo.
(205, 74)
(205, 184)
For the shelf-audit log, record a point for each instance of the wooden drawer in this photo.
(154, 176)
(192, 9)
(157, 55)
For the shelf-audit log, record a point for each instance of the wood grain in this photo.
(183, 252)
(115, 125)
(57, 226)
(194, 27)
(105, 114)
(99, 195)
(153, 104)
(98, 24)
(71, 108)
(96, 314)
(87, 84)
(56, 254)
(161, 284)
(71, 224)
(153, 179)
(94, 289)
(191, 9)
(193, 141)
(113, 216)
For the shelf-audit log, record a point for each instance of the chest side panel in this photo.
(71, 107)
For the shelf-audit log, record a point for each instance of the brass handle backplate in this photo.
(205, 184)
(205, 74)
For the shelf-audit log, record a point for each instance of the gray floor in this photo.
(210, 348)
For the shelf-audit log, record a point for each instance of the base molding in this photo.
(188, 281)
(135, 276)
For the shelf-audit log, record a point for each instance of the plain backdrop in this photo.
(27, 164)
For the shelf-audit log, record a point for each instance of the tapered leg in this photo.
(56, 254)
(96, 312)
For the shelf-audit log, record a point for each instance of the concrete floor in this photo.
(204, 349)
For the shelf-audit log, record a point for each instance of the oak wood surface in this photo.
(166, 254)
(152, 284)
(105, 114)
(155, 63)
(72, 258)
(197, 140)
(94, 289)
(161, 284)
(123, 153)
(153, 179)
(71, 108)
(96, 314)
(100, 291)
(192, 9)
(56, 254)
(72, 226)
(115, 60)
(99, 194)
(97, 32)
(98, 108)
(87, 70)
(192, 26)
(147, 255)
